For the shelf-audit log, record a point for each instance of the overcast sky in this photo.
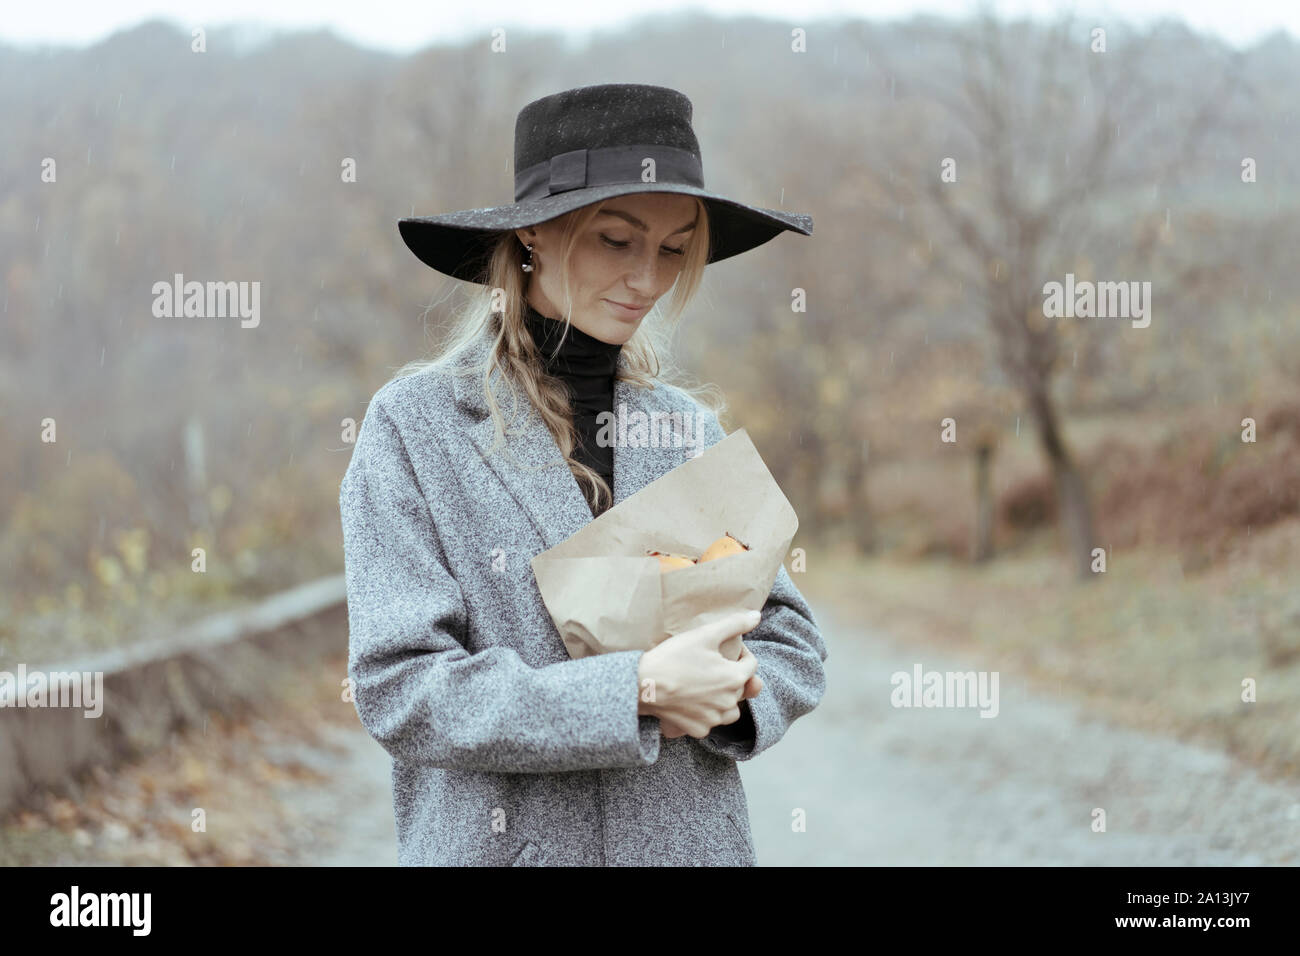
(403, 25)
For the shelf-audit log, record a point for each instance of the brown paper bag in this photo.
(605, 593)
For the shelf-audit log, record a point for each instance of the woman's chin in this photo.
(615, 331)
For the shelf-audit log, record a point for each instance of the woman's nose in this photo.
(642, 276)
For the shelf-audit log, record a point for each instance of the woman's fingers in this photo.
(671, 730)
(748, 662)
(753, 683)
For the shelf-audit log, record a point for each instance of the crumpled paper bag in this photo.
(604, 592)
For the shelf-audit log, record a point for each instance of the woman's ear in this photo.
(527, 235)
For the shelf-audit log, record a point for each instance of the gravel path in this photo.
(887, 786)
(354, 813)
(916, 786)
(878, 786)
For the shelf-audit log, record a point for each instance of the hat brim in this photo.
(458, 243)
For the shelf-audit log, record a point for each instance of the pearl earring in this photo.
(528, 266)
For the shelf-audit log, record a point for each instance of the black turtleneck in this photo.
(587, 366)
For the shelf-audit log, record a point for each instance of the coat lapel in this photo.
(529, 462)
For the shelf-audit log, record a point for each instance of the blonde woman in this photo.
(505, 750)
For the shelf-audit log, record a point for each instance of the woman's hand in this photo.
(753, 687)
(669, 729)
(688, 681)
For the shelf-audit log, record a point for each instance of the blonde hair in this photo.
(499, 308)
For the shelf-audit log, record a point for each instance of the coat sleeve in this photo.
(417, 689)
(790, 651)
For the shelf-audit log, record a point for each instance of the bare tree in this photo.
(1041, 192)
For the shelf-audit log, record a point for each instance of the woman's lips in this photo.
(623, 312)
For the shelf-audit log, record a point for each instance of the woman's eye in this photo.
(621, 245)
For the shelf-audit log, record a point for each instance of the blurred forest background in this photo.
(924, 297)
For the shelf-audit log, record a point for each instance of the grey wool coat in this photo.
(505, 750)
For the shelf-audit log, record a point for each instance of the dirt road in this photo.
(881, 785)
(914, 786)
(877, 785)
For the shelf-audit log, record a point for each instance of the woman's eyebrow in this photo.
(642, 226)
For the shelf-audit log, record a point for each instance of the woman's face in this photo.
(629, 254)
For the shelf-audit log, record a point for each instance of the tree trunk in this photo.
(1071, 491)
(863, 528)
(983, 545)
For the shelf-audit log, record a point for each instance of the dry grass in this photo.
(1182, 482)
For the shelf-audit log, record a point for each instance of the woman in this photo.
(505, 750)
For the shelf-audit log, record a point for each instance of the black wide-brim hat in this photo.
(584, 145)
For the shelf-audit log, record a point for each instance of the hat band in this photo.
(580, 168)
